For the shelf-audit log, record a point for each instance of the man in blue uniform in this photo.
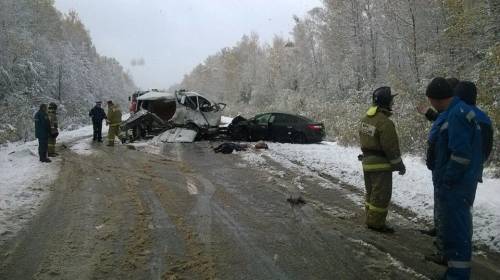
(457, 166)
(467, 91)
(42, 132)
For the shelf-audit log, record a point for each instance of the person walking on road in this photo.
(54, 129)
(381, 156)
(98, 115)
(457, 164)
(114, 119)
(42, 132)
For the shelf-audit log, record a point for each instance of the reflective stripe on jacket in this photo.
(379, 141)
(54, 123)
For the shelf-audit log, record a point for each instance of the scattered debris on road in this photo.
(296, 201)
(261, 145)
(178, 135)
(228, 148)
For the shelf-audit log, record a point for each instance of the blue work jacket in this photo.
(431, 141)
(458, 154)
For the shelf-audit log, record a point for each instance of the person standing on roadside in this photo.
(54, 129)
(381, 156)
(467, 91)
(437, 119)
(457, 163)
(98, 115)
(431, 114)
(114, 119)
(42, 132)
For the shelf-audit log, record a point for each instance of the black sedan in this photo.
(279, 127)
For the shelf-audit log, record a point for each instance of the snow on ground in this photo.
(24, 180)
(412, 191)
(82, 147)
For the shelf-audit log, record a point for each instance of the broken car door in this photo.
(209, 110)
(259, 127)
(192, 114)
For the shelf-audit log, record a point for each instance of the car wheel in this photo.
(136, 133)
(299, 138)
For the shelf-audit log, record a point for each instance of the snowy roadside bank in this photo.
(24, 181)
(412, 191)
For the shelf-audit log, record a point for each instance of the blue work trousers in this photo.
(456, 226)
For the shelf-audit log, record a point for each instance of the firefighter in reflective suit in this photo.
(114, 120)
(381, 156)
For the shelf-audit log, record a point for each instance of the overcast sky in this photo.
(173, 36)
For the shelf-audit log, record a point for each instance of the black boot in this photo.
(384, 229)
(436, 258)
(430, 232)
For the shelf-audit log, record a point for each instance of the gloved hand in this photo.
(401, 168)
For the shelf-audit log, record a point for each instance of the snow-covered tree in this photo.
(46, 56)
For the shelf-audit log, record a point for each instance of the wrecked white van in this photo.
(156, 111)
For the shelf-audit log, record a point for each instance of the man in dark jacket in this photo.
(42, 132)
(97, 114)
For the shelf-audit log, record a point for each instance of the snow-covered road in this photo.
(24, 180)
(412, 191)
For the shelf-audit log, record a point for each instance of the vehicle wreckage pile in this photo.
(186, 116)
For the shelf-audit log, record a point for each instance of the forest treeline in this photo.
(339, 52)
(47, 56)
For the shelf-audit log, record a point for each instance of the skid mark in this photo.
(165, 238)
